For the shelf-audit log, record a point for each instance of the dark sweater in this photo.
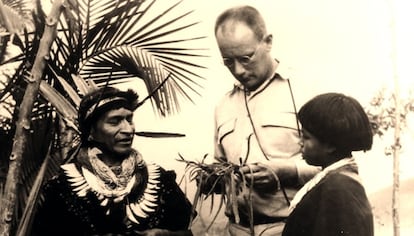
(337, 205)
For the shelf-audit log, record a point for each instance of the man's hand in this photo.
(267, 176)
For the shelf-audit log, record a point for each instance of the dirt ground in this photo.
(383, 215)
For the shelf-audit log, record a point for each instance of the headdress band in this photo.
(101, 103)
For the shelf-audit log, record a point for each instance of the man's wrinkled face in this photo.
(115, 129)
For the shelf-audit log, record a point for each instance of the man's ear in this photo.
(268, 39)
(91, 133)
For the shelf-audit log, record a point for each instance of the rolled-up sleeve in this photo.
(305, 171)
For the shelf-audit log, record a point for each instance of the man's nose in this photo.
(127, 127)
(238, 68)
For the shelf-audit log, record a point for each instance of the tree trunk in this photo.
(396, 185)
(397, 129)
(8, 200)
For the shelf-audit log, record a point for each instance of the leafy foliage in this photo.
(106, 42)
(98, 43)
(382, 113)
(118, 40)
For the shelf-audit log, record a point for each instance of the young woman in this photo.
(334, 202)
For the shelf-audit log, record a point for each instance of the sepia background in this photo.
(354, 47)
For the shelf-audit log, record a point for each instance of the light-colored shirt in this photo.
(272, 113)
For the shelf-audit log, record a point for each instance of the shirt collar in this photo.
(275, 75)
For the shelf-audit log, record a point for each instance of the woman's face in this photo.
(313, 151)
(115, 129)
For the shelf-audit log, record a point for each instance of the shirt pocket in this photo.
(279, 120)
(225, 129)
(278, 135)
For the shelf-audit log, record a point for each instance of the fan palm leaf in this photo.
(123, 49)
(121, 40)
(150, 66)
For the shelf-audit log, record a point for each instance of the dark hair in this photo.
(96, 103)
(338, 120)
(246, 14)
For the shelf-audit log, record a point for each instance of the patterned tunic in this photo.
(73, 207)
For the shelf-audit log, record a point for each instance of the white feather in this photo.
(137, 210)
(130, 215)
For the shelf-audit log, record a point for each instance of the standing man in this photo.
(256, 127)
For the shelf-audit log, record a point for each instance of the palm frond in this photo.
(142, 34)
(63, 107)
(16, 15)
(23, 7)
(4, 38)
(73, 95)
(92, 11)
(33, 197)
(38, 145)
(116, 49)
(104, 21)
(97, 40)
(150, 66)
(83, 86)
(127, 40)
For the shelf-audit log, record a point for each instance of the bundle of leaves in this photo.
(219, 177)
